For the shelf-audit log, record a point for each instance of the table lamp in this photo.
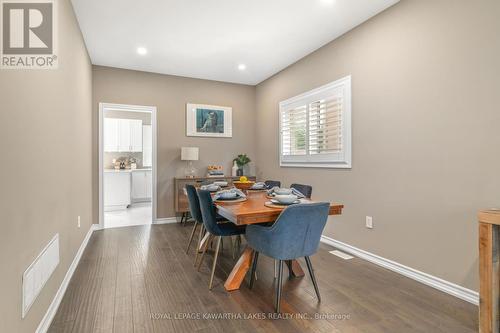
(190, 154)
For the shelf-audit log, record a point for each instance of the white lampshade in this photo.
(189, 153)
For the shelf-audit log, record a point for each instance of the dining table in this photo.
(255, 210)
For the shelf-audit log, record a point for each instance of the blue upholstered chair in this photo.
(296, 233)
(304, 189)
(194, 210)
(272, 183)
(216, 230)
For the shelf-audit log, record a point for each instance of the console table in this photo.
(489, 241)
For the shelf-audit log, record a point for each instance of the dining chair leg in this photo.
(313, 278)
(254, 269)
(192, 235)
(204, 250)
(290, 272)
(200, 237)
(278, 286)
(219, 241)
(275, 268)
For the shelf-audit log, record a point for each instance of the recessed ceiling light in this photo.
(142, 50)
(242, 67)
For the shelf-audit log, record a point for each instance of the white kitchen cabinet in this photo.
(124, 131)
(135, 135)
(116, 190)
(122, 135)
(142, 185)
(111, 134)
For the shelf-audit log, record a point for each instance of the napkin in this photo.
(298, 193)
(258, 186)
(271, 191)
(239, 194)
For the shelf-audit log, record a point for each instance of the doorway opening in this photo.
(127, 165)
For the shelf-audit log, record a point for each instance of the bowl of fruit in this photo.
(243, 184)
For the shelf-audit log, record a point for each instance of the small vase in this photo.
(239, 172)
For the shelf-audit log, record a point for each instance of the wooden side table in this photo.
(489, 238)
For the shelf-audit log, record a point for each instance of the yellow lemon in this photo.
(243, 179)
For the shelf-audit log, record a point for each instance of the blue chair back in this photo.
(194, 203)
(296, 233)
(304, 189)
(272, 183)
(209, 213)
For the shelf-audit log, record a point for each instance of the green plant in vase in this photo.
(241, 161)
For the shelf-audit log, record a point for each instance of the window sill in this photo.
(340, 165)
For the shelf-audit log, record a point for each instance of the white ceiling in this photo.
(208, 39)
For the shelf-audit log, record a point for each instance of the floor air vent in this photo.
(39, 272)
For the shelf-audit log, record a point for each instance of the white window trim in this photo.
(346, 126)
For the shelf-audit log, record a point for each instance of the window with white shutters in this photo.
(315, 127)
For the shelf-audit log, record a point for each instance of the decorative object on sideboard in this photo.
(190, 154)
(215, 171)
(209, 120)
(241, 161)
(234, 169)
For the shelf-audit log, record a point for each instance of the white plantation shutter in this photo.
(293, 131)
(315, 127)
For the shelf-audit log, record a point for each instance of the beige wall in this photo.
(45, 135)
(426, 77)
(170, 95)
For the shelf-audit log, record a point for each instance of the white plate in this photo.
(274, 201)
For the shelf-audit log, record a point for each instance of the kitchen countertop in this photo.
(127, 170)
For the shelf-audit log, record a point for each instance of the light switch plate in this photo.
(369, 222)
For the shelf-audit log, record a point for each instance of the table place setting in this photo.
(272, 193)
(232, 195)
(210, 187)
(221, 183)
(259, 186)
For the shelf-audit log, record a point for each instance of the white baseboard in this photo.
(453, 289)
(165, 220)
(51, 311)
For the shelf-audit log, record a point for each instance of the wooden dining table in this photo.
(254, 211)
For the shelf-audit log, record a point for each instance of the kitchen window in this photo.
(315, 127)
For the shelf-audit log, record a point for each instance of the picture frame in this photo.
(204, 120)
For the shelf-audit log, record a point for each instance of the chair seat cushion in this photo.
(230, 229)
(220, 219)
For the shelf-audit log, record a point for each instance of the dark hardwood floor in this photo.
(139, 279)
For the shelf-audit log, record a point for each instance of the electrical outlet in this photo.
(369, 222)
(79, 221)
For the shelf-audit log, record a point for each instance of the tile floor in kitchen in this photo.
(136, 214)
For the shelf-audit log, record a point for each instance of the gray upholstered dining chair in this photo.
(296, 233)
(194, 209)
(272, 183)
(216, 230)
(306, 190)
